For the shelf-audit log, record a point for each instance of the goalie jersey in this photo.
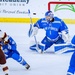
(53, 28)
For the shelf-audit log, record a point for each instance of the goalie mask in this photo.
(49, 15)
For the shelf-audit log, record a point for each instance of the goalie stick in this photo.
(31, 30)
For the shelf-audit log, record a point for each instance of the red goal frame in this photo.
(58, 2)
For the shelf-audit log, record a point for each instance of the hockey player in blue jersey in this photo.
(9, 48)
(56, 31)
(71, 69)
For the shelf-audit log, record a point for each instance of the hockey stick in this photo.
(30, 30)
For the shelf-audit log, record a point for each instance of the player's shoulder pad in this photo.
(56, 18)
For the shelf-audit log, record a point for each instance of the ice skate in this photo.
(27, 66)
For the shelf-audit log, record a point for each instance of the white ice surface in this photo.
(41, 64)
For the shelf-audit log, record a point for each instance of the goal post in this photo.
(56, 2)
(64, 10)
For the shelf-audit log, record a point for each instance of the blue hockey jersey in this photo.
(9, 48)
(52, 28)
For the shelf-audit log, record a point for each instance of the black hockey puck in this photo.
(34, 13)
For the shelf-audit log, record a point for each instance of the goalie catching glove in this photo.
(65, 36)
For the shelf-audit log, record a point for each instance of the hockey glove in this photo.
(65, 36)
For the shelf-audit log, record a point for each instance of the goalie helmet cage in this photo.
(58, 2)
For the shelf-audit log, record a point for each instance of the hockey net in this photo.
(65, 10)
